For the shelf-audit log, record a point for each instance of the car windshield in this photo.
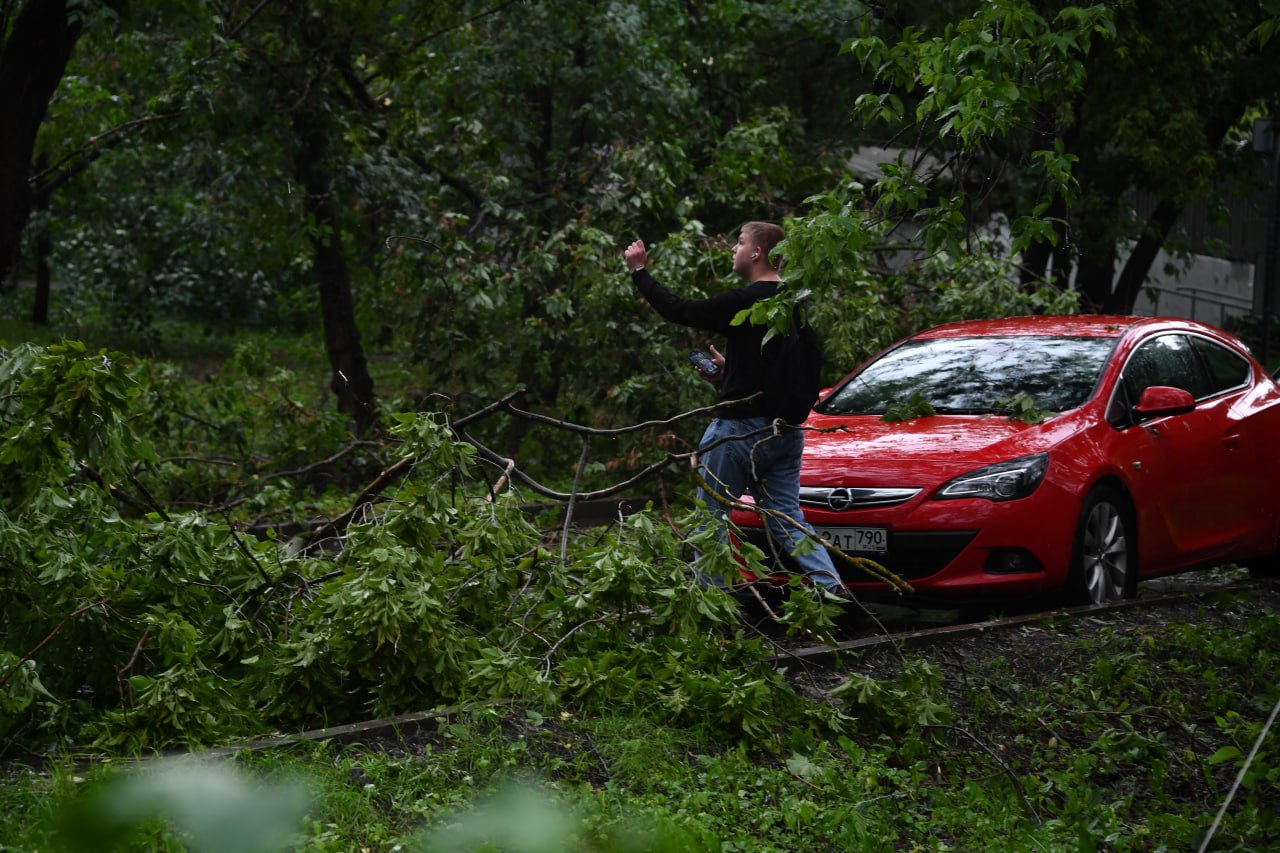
(975, 375)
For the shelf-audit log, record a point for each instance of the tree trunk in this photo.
(542, 383)
(351, 382)
(1093, 280)
(1159, 224)
(1095, 252)
(1035, 261)
(32, 62)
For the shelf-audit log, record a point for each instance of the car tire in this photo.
(1104, 556)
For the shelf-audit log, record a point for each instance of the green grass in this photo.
(1117, 736)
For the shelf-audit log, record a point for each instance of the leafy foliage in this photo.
(133, 625)
(1120, 733)
(913, 407)
(1022, 407)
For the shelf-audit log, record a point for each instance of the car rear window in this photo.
(976, 375)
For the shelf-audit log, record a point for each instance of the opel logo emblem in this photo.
(840, 499)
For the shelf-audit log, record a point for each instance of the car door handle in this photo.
(1231, 440)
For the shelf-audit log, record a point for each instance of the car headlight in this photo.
(1006, 481)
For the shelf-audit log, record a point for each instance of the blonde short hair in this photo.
(766, 235)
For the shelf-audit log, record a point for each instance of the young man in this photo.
(765, 459)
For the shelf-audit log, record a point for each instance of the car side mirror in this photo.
(1160, 400)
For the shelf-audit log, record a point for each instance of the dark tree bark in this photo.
(1096, 238)
(32, 62)
(1097, 269)
(1037, 258)
(1138, 264)
(541, 389)
(351, 382)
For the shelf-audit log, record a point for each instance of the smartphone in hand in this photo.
(704, 363)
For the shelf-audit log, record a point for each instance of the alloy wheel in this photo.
(1104, 554)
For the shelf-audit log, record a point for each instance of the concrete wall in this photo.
(1212, 290)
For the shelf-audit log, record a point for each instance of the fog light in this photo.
(1012, 561)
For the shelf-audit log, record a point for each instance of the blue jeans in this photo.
(768, 466)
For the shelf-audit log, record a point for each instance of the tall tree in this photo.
(37, 38)
(555, 129)
(1056, 113)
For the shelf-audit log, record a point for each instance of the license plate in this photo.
(856, 540)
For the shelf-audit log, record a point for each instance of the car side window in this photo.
(1165, 360)
(1226, 369)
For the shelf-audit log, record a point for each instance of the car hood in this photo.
(935, 446)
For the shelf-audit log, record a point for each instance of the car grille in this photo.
(842, 497)
(911, 555)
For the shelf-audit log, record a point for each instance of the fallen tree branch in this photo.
(581, 429)
(46, 181)
(307, 469)
(112, 489)
(366, 497)
(244, 549)
(546, 491)
(48, 637)
(568, 512)
(512, 472)
(1008, 771)
(864, 564)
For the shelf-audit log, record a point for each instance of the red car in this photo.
(1076, 454)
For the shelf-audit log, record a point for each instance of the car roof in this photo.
(1069, 325)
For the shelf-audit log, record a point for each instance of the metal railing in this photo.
(1193, 298)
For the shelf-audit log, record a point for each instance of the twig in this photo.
(760, 598)
(391, 237)
(513, 472)
(568, 512)
(480, 414)
(546, 660)
(235, 31)
(501, 482)
(204, 460)
(1008, 771)
(88, 147)
(865, 564)
(307, 469)
(155, 505)
(618, 488)
(581, 429)
(244, 549)
(133, 658)
(386, 478)
(40, 645)
(113, 490)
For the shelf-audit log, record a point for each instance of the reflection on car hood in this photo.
(870, 445)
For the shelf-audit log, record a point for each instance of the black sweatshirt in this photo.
(744, 373)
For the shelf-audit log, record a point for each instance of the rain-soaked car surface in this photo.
(1071, 454)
